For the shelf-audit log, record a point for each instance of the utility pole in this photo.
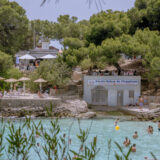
(34, 36)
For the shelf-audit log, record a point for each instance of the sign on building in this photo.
(112, 82)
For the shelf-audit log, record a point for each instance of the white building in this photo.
(112, 90)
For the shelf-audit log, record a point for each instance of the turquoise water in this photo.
(104, 130)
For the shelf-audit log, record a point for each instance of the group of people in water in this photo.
(127, 141)
(150, 128)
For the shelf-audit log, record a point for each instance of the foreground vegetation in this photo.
(50, 144)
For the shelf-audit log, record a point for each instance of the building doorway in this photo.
(120, 98)
(99, 96)
(131, 97)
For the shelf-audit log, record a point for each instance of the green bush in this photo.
(14, 73)
(6, 63)
(56, 73)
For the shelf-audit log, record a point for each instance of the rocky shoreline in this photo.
(75, 108)
(67, 109)
(145, 114)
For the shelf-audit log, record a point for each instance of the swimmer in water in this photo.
(116, 121)
(126, 142)
(135, 135)
(133, 148)
(149, 129)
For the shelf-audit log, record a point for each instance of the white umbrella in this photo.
(27, 57)
(48, 56)
(11, 80)
(40, 81)
(23, 79)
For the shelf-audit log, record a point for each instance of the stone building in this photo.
(112, 90)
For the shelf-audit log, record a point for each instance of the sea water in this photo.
(104, 129)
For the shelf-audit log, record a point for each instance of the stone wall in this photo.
(15, 103)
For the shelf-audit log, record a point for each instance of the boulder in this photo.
(72, 106)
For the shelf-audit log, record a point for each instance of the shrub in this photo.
(56, 73)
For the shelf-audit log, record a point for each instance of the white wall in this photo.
(112, 89)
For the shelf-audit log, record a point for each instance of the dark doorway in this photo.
(120, 98)
(99, 96)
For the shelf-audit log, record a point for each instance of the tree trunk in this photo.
(118, 68)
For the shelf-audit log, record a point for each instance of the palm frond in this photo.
(98, 3)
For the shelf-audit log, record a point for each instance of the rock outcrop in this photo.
(150, 115)
(67, 108)
(144, 114)
(72, 106)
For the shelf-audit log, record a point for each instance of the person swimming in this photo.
(135, 135)
(133, 149)
(127, 142)
(150, 130)
(116, 122)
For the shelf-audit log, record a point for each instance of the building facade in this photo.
(43, 50)
(112, 90)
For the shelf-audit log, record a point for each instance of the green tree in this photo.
(56, 73)
(141, 4)
(14, 73)
(106, 53)
(73, 43)
(110, 52)
(13, 26)
(107, 24)
(86, 63)
(145, 43)
(146, 13)
(153, 14)
(6, 63)
(138, 19)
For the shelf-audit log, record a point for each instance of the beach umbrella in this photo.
(11, 81)
(48, 56)
(40, 81)
(27, 57)
(24, 79)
